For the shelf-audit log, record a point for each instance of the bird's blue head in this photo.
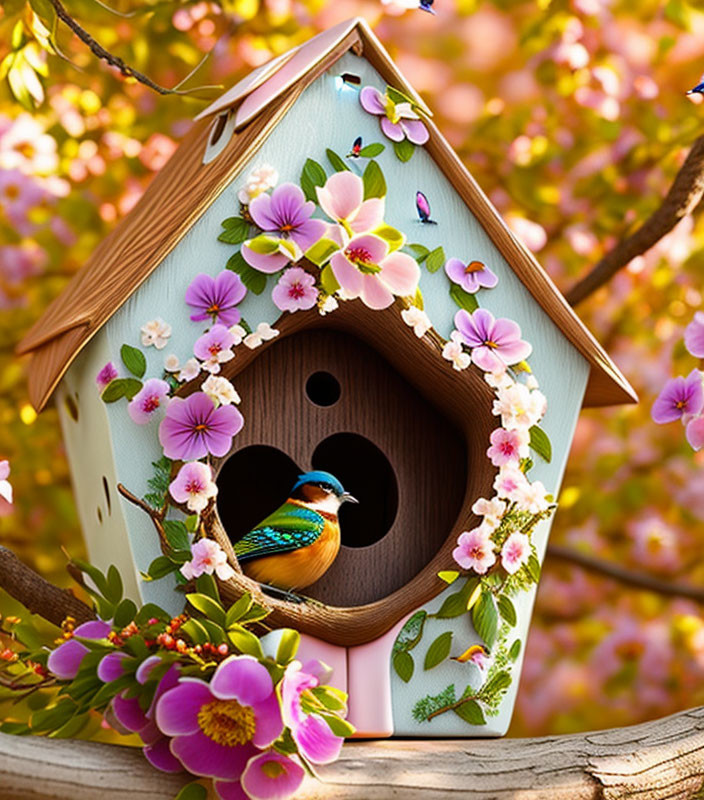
(325, 481)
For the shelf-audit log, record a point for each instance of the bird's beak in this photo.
(348, 498)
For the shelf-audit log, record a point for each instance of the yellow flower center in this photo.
(391, 112)
(226, 722)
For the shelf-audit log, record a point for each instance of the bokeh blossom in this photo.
(5, 485)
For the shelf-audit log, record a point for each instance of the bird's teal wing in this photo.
(289, 528)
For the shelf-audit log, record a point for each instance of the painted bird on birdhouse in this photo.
(296, 544)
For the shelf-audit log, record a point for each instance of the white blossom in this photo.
(171, 363)
(239, 333)
(190, 370)
(519, 407)
(328, 304)
(453, 352)
(263, 333)
(531, 497)
(492, 511)
(417, 319)
(258, 181)
(220, 390)
(156, 332)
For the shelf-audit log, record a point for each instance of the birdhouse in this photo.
(379, 323)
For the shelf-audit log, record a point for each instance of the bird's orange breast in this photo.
(299, 568)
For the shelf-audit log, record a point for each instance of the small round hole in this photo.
(323, 389)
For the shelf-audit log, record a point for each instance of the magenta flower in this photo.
(695, 433)
(316, 742)
(471, 277)
(207, 558)
(106, 376)
(269, 776)
(215, 348)
(218, 727)
(398, 120)
(148, 400)
(5, 488)
(508, 446)
(495, 343)
(286, 214)
(193, 427)
(295, 290)
(342, 199)
(678, 397)
(366, 269)
(475, 550)
(128, 714)
(65, 661)
(515, 552)
(216, 298)
(194, 486)
(111, 667)
(694, 335)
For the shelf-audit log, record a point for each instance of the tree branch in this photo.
(37, 594)
(105, 55)
(683, 197)
(630, 577)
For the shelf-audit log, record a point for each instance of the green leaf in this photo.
(515, 650)
(191, 523)
(540, 442)
(115, 588)
(471, 712)
(206, 584)
(206, 605)
(393, 237)
(120, 387)
(499, 683)
(533, 568)
(196, 632)
(263, 245)
(372, 150)
(438, 651)
(51, 719)
(456, 604)
(339, 726)
(449, 575)
(418, 299)
(507, 610)
(160, 568)
(485, 618)
(420, 252)
(403, 665)
(124, 613)
(463, 299)
(254, 280)
(312, 175)
(374, 182)
(177, 534)
(435, 259)
(333, 699)
(238, 610)
(216, 633)
(192, 791)
(397, 96)
(411, 633)
(404, 150)
(337, 163)
(236, 230)
(321, 251)
(151, 611)
(134, 360)
(328, 280)
(255, 614)
(288, 646)
(100, 581)
(245, 641)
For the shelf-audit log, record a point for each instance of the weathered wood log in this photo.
(653, 761)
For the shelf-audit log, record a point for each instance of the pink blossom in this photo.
(19, 193)
(106, 375)
(509, 482)
(5, 486)
(148, 400)
(194, 486)
(269, 776)
(495, 343)
(531, 497)
(398, 120)
(207, 558)
(508, 446)
(215, 348)
(515, 552)
(475, 550)
(694, 335)
(295, 291)
(342, 199)
(694, 432)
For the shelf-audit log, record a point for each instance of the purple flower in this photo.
(694, 335)
(106, 375)
(311, 732)
(269, 776)
(218, 727)
(495, 343)
(65, 661)
(471, 277)
(193, 427)
(216, 298)
(695, 433)
(128, 714)
(398, 120)
(194, 486)
(679, 396)
(286, 213)
(148, 400)
(295, 290)
(215, 347)
(111, 667)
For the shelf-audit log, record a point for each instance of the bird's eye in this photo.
(326, 486)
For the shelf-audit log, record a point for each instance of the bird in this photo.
(296, 544)
(421, 5)
(699, 88)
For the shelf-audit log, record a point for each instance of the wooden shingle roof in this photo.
(186, 186)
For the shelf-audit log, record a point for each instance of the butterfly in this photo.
(699, 88)
(423, 209)
(356, 148)
(426, 5)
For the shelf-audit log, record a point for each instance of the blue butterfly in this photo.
(423, 209)
(699, 88)
(426, 5)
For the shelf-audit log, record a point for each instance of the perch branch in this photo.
(157, 517)
(37, 594)
(657, 760)
(105, 55)
(628, 576)
(682, 198)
